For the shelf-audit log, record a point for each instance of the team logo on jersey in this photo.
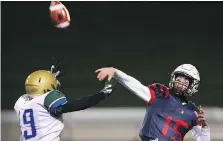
(180, 110)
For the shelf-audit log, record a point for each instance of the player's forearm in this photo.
(201, 134)
(84, 102)
(206, 135)
(133, 85)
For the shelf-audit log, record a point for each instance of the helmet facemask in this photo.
(183, 84)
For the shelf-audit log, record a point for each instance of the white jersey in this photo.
(35, 121)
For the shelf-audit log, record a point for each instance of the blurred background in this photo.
(147, 40)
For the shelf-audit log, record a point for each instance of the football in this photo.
(59, 14)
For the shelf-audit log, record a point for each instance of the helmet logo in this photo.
(39, 79)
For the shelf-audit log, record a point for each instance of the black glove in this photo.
(55, 70)
(109, 85)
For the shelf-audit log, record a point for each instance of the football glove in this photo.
(109, 85)
(55, 70)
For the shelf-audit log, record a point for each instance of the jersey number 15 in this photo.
(179, 123)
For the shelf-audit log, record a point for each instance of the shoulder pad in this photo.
(160, 89)
(53, 97)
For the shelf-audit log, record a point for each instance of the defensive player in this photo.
(169, 115)
(40, 110)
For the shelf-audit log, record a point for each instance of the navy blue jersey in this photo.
(166, 117)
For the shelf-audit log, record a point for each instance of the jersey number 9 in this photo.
(28, 121)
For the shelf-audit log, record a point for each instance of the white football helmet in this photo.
(192, 73)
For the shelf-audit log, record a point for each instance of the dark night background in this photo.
(147, 40)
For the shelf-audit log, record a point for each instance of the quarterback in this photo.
(169, 115)
(40, 110)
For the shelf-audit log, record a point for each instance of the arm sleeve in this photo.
(201, 134)
(84, 102)
(133, 85)
(78, 104)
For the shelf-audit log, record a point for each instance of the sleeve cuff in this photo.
(58, 102)
(152, 96)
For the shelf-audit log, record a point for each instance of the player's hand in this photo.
(201, 118)
(55, 70)
(105, 72)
